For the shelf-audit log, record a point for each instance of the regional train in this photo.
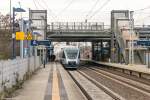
(70, 57)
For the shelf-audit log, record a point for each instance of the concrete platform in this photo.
(54, 83)
(34, 88)
(72, 90)
(49, 83)
(136, 70)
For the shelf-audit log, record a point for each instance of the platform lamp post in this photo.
(131, 48)
(13, 32)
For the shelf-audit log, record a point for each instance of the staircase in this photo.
(121, 43)
(122, 39)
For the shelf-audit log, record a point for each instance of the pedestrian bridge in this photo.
(77, 32)
(85, 32)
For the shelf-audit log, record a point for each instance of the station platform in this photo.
(136, 70)
(56, 83)
(34, 88)
(49, 83)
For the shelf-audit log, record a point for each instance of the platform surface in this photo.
(35, 87)
(49, 83)
(137, 68)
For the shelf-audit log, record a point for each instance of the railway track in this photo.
(131, 77)
(125, 87)
(80, 86)
(126, 79)
(109, 92)
(117, 85)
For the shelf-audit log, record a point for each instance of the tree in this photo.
(5, 21)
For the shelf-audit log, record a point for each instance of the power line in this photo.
(43, 7)
(66, 7)
(142, 9)
(40, 4)
(35, 4)
(92, 8)
(99, 9)
(138, 11)
(47, 7)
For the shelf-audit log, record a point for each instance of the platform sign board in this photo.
(29, 36)
(44, 42)
(34, 42)
(20, 35)
(144, 43)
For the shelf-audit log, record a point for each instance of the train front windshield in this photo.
(71, 54)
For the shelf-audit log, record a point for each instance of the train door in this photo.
(63, 58)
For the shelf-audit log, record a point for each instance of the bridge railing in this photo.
(75, 26)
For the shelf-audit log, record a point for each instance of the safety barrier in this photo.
(75, 26)
(12, 70)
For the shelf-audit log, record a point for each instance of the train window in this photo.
(71, 54)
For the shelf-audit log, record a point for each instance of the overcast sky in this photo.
(77, 10)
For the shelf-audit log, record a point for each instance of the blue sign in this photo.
(34, 42)
(143, 42)
(44, 42)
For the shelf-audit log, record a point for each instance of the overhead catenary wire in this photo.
(55, 16)
(66, 7)
(47, 7)
(35, 4)
(40, 5)
(95, 4)
(148, 7)
(105, 3)
(139, 11)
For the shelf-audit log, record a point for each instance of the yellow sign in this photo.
(29, 36)
(20, 36)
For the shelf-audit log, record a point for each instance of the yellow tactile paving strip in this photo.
(55, 88)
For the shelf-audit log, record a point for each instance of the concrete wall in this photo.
(10, 68)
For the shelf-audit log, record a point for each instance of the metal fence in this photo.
(10, 70)
(75, 26)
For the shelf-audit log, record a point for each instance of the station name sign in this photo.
(145, 43)
(42, 42)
